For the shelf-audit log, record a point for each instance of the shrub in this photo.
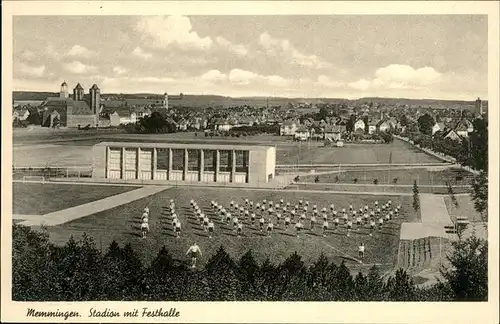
(375, 181)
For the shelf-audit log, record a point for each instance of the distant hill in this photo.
(203, 101)
(32, 95)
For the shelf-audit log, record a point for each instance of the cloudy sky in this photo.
(443, 57)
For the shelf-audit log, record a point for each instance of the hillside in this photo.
(203, 101)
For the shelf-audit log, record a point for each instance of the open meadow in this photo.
(73, 149)
(43, 198)
(122, 224)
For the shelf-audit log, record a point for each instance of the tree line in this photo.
(79, 271)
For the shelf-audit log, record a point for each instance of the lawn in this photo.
(423, 176)
(315, 153)
(42, 198)
(465, 208)
(122, 224)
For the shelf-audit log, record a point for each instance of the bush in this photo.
(375, 181)
(355, 180)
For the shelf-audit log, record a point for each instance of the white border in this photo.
(279, 312)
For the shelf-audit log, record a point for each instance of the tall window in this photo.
(178, 159)
(241, 161)
(162, 159)
(130, 159)
(209, 158)
(146, 159)
(193, 160)
(115, 158)
(225, 161)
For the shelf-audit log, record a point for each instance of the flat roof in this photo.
(188, 146)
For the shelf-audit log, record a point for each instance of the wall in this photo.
(261, 164)
(99, 161)
(82, 120)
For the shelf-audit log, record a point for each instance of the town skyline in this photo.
(439, 57)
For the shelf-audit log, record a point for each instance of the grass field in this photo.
(465, 208)
(40, 199)
(404, 176)
(122, 224)
(78, 151)
(303, 153)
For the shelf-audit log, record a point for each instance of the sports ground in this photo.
(122, 224)
(77, 152)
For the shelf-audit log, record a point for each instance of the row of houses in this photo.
(461, 130)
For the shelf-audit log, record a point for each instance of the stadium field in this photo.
(122, 224)
(395, 152)
(43, 198)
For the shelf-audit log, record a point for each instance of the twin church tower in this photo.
(94, 100)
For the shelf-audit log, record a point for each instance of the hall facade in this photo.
(184, 162)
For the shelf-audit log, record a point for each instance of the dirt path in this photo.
(70, 214)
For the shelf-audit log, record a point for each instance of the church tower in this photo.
(165, 101)
(64, 91)
(478, 107)
(95, 99)
(78, 92)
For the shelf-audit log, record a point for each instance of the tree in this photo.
(479, 145)
(416, 197)
(349, 127)
(222, 271)
(158, 280)
(360, 286)
(292, 278)
(467, 276)
(344, 285)
(247, 274)
(367, 127)
(425, 123)
(375, 285)
(318, 280)
(56, 122)
(401, 287)
(479, 194)
(34, 275)
(34, 118)
(403, 120)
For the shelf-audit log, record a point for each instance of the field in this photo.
(40, 199)
(315, 153)
(423, 176)
(75, 149)
(465, 208)
(122, 224)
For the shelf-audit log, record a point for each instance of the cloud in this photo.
(397, 76)
(78, 67)
(237, 49)
(28, 55)
(242, 77)
(361, 84)
(213, 75)
(161, 32)
(326, 81)
(80, 51)
(277, 81)
(119, 70)
(51, 52)
(141, 53)
(36, 71)
(283, 48)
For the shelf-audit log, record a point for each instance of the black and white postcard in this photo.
(241, 162)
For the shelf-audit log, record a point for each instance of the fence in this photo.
(51, 172)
